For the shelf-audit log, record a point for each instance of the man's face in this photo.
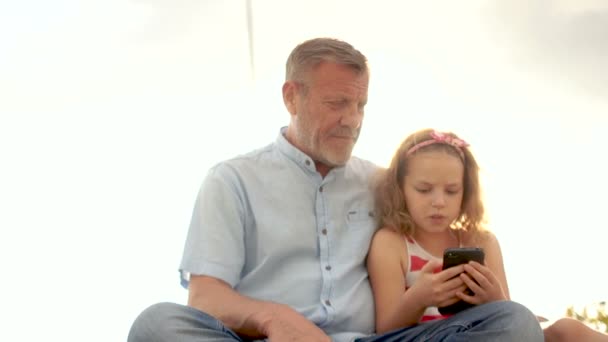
(327, 113)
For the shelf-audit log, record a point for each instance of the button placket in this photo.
(324, 257)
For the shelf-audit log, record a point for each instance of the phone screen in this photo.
(457, 256)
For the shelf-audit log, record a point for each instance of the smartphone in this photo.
(456, 256)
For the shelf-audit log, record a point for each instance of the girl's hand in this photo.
(438, 289)
(482, 282)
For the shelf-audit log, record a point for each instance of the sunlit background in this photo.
(111, 113)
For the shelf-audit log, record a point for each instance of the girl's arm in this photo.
(386, 263)
(490, 281)
(396, 307)
(495, 263)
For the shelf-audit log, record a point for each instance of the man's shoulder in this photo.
(363, 162)
(250, 156)
(362, 166)
(245, 161)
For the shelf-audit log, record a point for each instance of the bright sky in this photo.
(111, 113)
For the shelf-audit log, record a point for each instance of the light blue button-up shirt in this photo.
(268, 224)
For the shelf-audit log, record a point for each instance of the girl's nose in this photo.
(438, 201)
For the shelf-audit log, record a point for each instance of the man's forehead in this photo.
(335, 69)
(345, 86)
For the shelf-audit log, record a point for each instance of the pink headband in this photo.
(440, 138)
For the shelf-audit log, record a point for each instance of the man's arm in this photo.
(248, 317)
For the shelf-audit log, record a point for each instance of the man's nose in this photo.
(352, 118)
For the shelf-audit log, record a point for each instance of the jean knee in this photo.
(517, 310)
(523, 320)
(149, 325)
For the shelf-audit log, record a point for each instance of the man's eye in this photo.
(337, 104)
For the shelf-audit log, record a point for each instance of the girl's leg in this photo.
(569, 329)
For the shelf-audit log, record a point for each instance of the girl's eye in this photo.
(452, 192)
(423, 191)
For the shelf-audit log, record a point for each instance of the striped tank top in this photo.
(418, 257)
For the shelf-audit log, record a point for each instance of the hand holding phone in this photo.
(456, 256)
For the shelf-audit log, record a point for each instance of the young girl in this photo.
(428, 200)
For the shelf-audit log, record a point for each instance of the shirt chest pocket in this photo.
(359, 216)
(359, 227)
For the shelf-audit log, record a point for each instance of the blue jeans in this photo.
(498, 321)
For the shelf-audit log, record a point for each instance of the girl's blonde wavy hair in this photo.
(391, 208)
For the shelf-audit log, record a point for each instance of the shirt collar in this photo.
(298, 156)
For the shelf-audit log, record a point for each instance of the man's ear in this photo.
(289, 96)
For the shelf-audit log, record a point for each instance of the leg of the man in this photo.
(497, 321)
(169, 322)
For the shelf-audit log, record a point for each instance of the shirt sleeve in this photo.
(215, 241)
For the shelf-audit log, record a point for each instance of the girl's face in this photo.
(433, 189)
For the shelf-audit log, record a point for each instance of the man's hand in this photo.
(250, 318)
(282, 323)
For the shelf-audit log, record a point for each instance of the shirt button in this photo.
(328, 267)
(324, 231)
(320, 189)
(307, 162)
(327, 302)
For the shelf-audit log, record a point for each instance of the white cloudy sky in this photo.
(111, 112)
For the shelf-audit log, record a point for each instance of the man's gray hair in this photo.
(310, 53)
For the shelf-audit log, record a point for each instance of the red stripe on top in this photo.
(417, 263)
(427, 318)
